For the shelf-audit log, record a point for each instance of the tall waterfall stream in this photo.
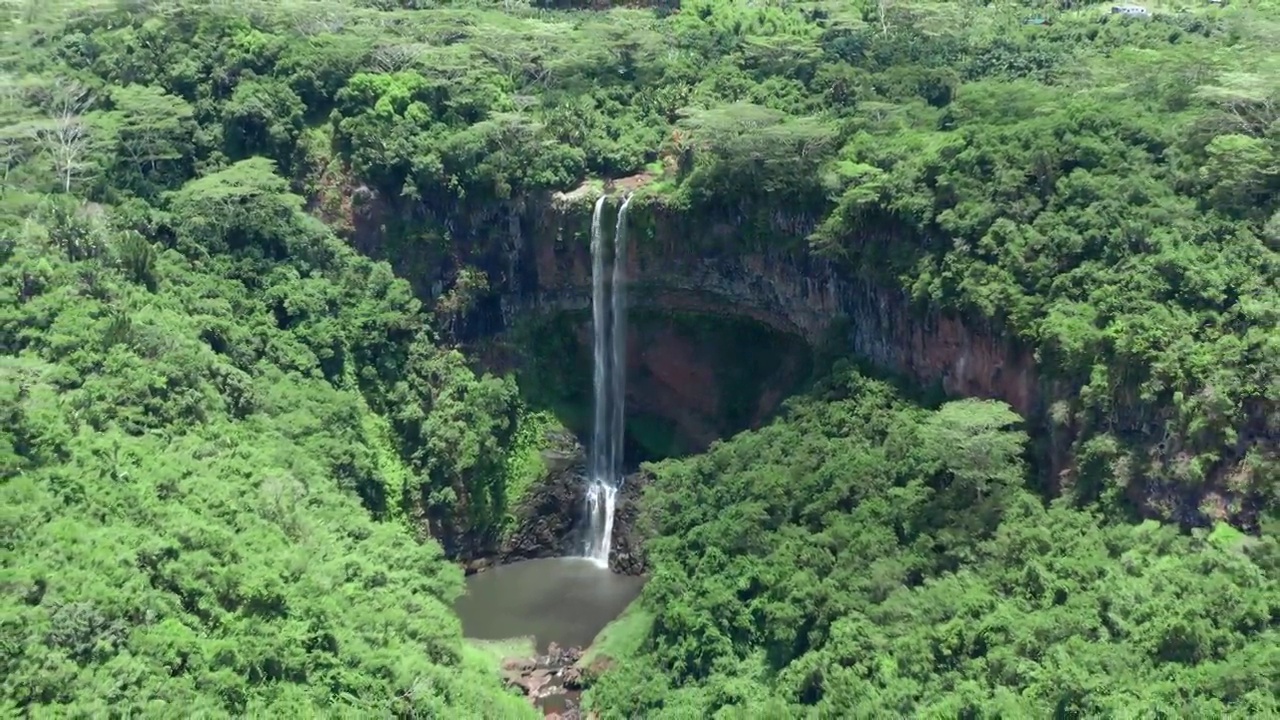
(609, 355)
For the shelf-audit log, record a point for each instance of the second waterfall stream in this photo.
(609, 376)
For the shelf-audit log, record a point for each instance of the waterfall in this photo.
(599, 349)
(609, 355)
(619, 332)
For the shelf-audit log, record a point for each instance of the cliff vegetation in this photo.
(235, 451)
(865, 557)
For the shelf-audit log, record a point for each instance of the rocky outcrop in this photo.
(537, 257)
(699, 381)
(551, 518)
(678, 262)
(627, 554)
(535, 252)
(551, 680)
(735, 261)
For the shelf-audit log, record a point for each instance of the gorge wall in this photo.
(746, 264)
(535, 256)
(681, 263)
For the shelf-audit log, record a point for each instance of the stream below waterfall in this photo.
(566, 601)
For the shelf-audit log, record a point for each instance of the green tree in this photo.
(154, 138)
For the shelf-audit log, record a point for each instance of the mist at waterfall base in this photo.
(609, 356)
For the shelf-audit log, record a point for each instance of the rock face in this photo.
(551, 519)
(627, 554)
(535, 253)
(680, 263)
(691, 380)
(537, 257)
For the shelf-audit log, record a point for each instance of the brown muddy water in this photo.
(562, 600)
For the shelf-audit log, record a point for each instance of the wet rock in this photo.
(535, 681)
(571, 678)
(519, 665)
(562, 657)
(550, 674)
(550, 518)
(627, 555)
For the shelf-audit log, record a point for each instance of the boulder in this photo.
(571, 678)
(518, 664)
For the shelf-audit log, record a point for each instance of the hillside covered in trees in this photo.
(865, 557)
(228, 438)
(205, 455)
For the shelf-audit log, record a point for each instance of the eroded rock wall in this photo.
(678, 262)
(550, 521)
(535, 253)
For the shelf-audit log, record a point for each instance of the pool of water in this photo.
(562, 600)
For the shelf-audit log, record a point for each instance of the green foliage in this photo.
(262, 117)
(216, 419)
(1097, 185)
(747, 151)
(622, 638)
(499, 650)
(188, 436)
(525, 465)
(860, 556)
(153, 133)
(244, 205)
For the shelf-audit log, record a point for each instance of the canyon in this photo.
(683, 264)
(705, 305)
(748, 267)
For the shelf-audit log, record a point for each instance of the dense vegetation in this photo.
(221, 427)
(864, 557)
(216, 417)
(185, 439)
(186, 436)
(1100, 188)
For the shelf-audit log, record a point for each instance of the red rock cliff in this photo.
(676, 264)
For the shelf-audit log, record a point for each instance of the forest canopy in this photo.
(1099, 188)
(194, 469)
(864, 557)
(235, 452)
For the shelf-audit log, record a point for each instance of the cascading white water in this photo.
(618, 329)
(601, 502)
(598, 514)
(599, 341)
(609, 348)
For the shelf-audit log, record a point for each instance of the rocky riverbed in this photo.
(552, 681)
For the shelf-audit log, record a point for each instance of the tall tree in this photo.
(153, 133)
(65, 136)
